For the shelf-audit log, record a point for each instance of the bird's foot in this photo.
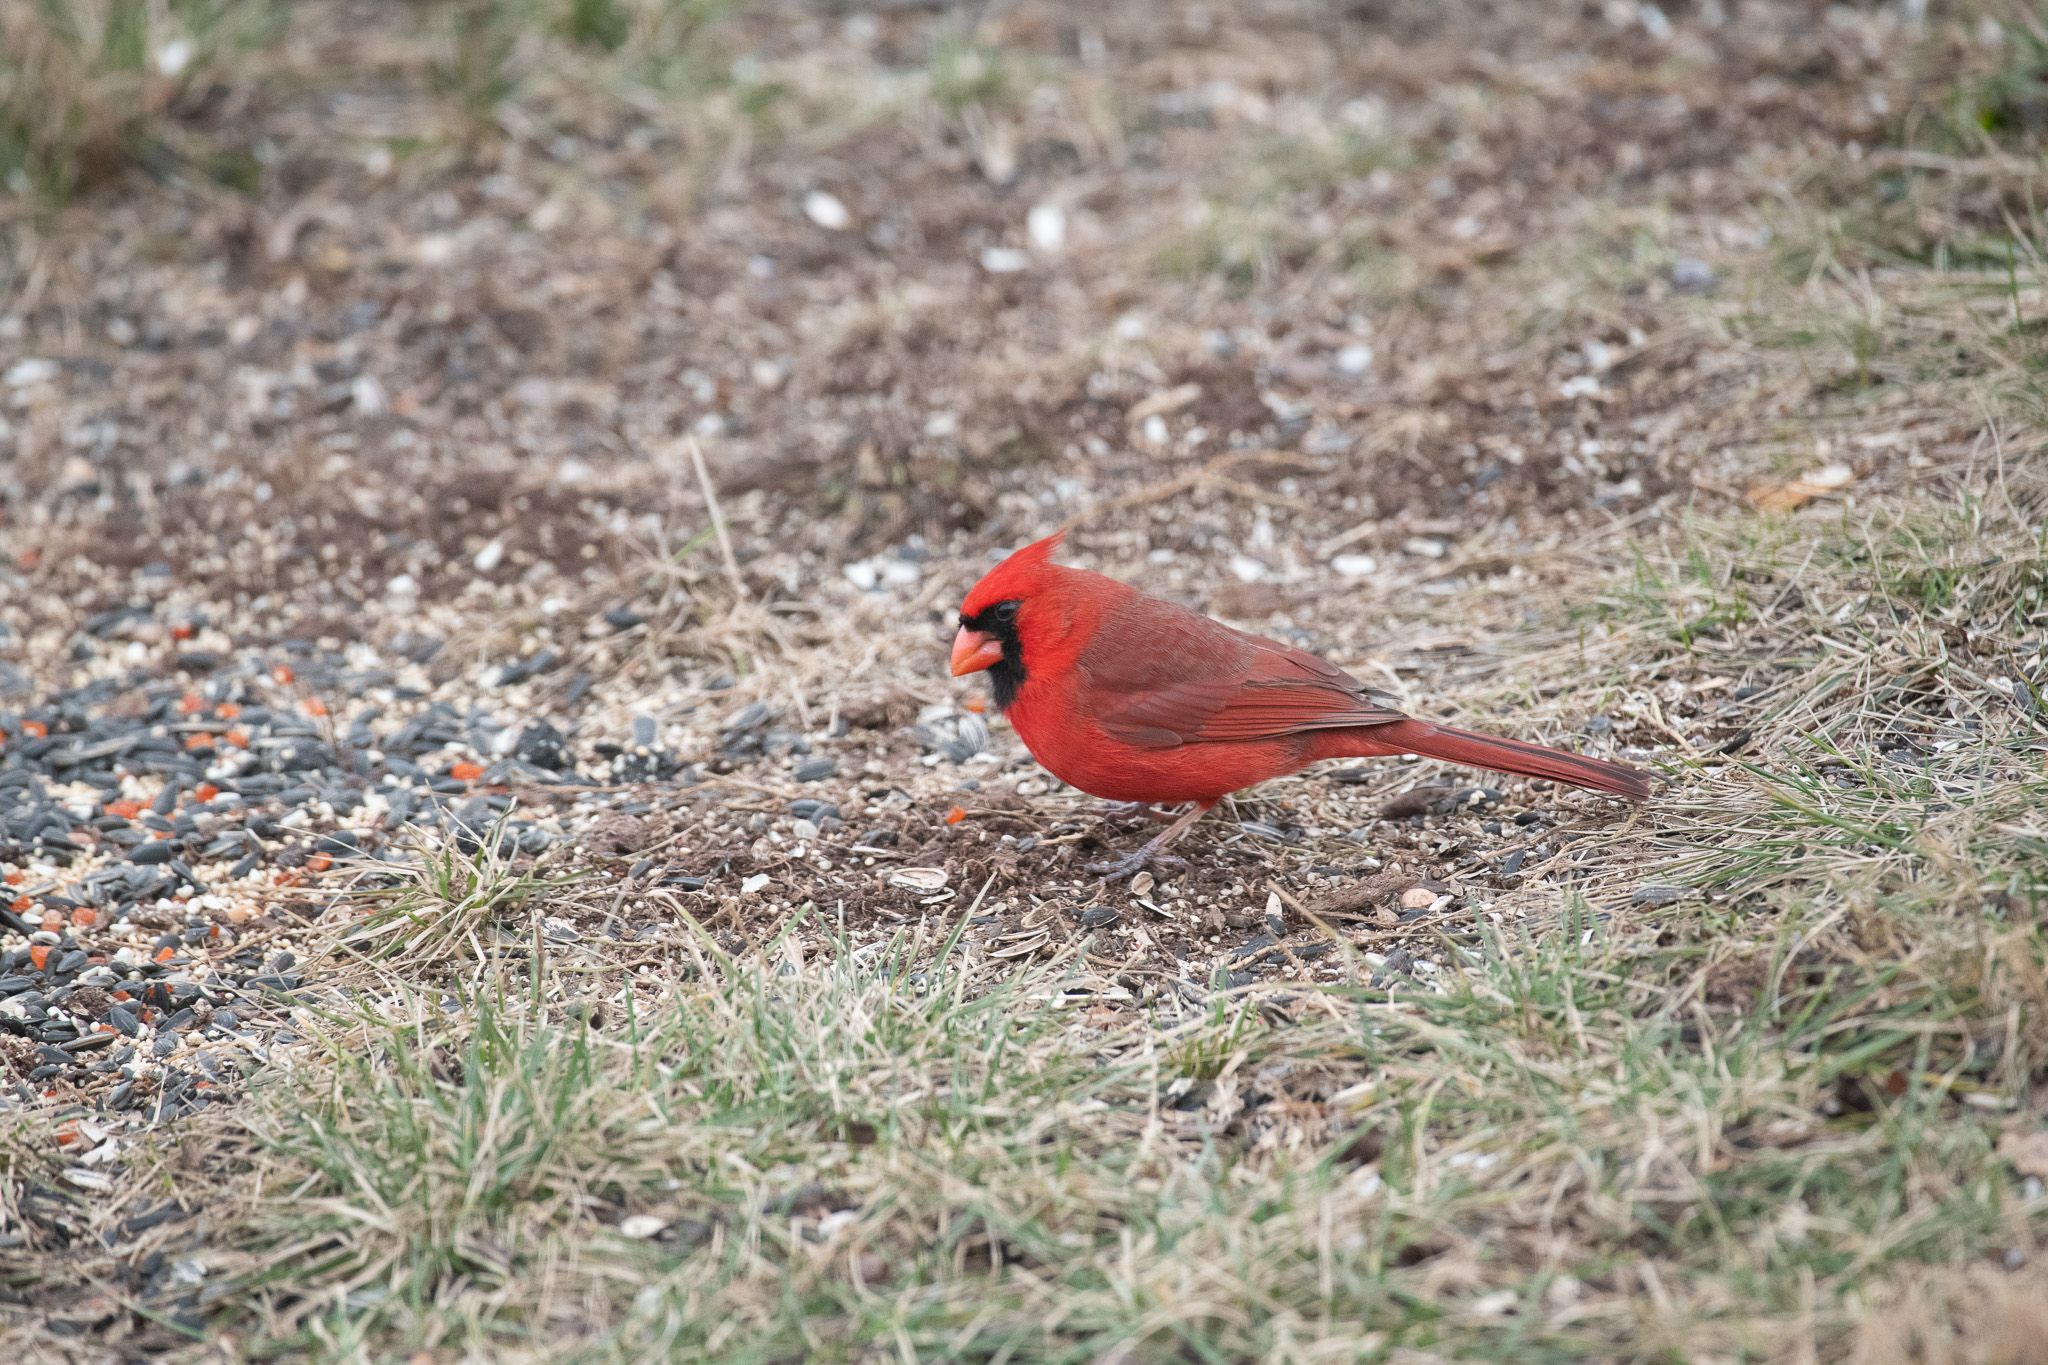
(1133, 863)
(1150, 854)
(1129, 810)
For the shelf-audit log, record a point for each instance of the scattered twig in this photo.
(732, 564)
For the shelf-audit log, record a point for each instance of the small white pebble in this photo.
(34, 370)
(826, 211)
(173, 57)
(1354, 566)
(1004, 260)
(436, 248)
(1047, 224)
(1355, 359)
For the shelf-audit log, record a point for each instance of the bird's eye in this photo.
(1006, 612)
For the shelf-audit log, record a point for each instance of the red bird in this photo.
(1134, 699)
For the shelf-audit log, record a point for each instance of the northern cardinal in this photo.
(1134, 699)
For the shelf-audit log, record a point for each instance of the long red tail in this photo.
(1493, 753)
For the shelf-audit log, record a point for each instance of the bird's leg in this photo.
(1129, 810)
(1150, 852)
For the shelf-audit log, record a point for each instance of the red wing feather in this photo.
(1161, 676)
(1263, 709)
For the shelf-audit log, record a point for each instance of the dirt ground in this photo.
(1437, 339)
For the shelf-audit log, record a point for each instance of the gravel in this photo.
(815, 769)
(169, 836)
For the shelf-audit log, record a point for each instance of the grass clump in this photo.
(493, 1153)
(2000, 98)
(963, 75)
(452, 902)
(555, 54)
(90, 88)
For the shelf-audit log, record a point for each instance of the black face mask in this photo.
(999, 623)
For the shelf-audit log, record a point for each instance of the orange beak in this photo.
(973, 651)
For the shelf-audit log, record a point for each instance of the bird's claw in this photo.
(1133, 810)
(1132, 863)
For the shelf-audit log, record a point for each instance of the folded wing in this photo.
(1160, 676)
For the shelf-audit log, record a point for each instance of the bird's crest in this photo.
(1015, 577)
